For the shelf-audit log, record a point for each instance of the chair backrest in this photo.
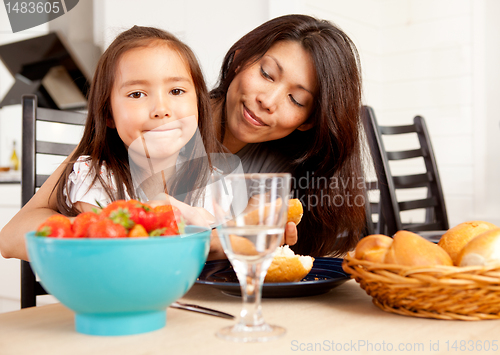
(30, 179)
(389, 208)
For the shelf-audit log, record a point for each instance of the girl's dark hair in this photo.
(328, 174)
(103, 144)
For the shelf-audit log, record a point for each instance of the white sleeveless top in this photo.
(81, 188)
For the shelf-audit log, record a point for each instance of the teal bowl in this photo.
(119, 286)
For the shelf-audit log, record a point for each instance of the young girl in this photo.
(147, 100)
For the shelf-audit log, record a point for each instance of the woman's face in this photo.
(154, 101)
(270, 98)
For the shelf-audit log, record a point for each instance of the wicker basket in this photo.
(442, 292)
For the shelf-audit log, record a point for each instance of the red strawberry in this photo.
(170, 221)
(126, 213)
(122, 216)
(82, 222)
(135, 203)
(137, 231)
(149, 220)
(137, 210)
(106, 228)
(106, 211)
(165, 208)
(56, 226)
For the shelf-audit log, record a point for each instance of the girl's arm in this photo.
(42, 205)
(85, 207)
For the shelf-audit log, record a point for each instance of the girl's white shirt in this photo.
(82, 187)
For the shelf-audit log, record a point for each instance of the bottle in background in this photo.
(14, 160)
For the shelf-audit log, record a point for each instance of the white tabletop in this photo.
(344, 320)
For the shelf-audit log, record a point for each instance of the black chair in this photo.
(30, 179)
(389, 208)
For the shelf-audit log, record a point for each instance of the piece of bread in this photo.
(457, 237)
(482, 250)
(242, 246)
(295, 212)
(410, 249)
(288, 267)
(373, 248)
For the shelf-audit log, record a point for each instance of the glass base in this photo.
(256, 334)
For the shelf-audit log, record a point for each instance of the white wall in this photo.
(208, 27)
(438, 59)
(426, 64)
(486, 91)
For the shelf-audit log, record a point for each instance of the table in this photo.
(342, 321)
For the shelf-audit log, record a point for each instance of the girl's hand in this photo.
(196, 216)
(216, 252)
(291, 235)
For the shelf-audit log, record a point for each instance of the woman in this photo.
(288, 99)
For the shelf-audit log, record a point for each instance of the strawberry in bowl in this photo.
(120, 219)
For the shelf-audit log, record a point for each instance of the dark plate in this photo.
(325, 274)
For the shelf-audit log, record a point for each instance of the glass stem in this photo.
(251, 314)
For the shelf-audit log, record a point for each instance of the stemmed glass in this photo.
(251, 213)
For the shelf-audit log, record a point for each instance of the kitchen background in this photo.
(435, 58)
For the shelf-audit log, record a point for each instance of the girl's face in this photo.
(153, 101)
(272, 97)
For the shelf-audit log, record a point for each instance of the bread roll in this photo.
(410, 249)
(288, 267)
(373, 248)
(457, 237)
(295, 212)
(482, 250)
(242, 246)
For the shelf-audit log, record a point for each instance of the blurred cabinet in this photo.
(10, 203)
(10, 269)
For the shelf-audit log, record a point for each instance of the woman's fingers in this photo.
(291, 235)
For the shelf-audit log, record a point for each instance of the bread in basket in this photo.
(438, 291)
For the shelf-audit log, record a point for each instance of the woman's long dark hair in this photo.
(328, 175)
(103, 144)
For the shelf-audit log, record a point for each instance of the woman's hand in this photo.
(291, 235)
